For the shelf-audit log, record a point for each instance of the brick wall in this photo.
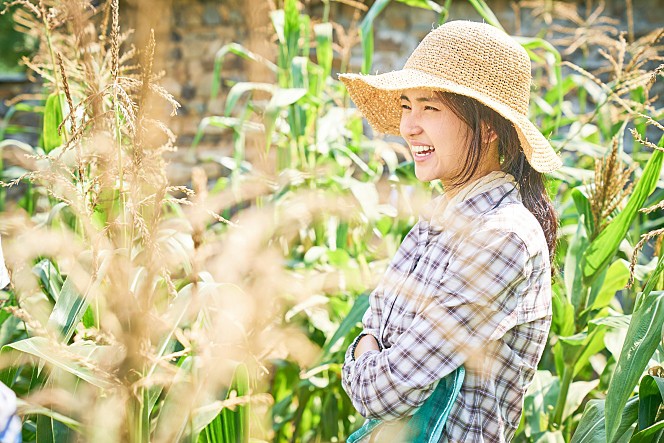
(190, 32)
(198, 28)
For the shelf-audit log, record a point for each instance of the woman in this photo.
(470, 284)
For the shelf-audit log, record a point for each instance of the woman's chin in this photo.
(424, 175)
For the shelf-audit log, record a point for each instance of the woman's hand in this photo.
(366, 343)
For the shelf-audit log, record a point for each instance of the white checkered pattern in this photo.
(476, 293)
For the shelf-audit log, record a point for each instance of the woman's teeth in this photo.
(422, 150)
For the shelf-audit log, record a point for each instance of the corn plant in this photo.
(221, 312)
(113, 311)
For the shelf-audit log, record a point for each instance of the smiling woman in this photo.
(458, 323)
(439, 140)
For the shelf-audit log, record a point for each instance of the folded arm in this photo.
(475, 294)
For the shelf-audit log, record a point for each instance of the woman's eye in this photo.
(430, 108)
(405, 106)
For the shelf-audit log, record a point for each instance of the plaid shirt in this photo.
(476, 293)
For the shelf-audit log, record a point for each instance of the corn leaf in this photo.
(68, 311)
(324, 55)
(25, 408)
(652, 434)
(366, 33)
(537, 43)
(241, 51)
(42, 348)
(50, 430)
(591, 428)
(615, 280)
(424, 4)
(605, 245)
(643, 336)
(52, 120)
(49, 277)
(573, 264)
(241, 88)
(291, 30)
(237, 124)
(349, 322)
(487, 14)
(582, 205)
(280, 99)
(651, 397)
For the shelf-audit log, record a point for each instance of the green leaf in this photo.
(52, 121)
(241, 88)
(529, 44)
(366, 33)
(582, 205)
(487, 14)
(563, 314)
(237, 419)
(539, 400)
(574, 263)
(25, 408)
(68, 311)
(577, 393)
(424, 4)
(615, 280)
(9, 328)
(236, 124)
(282, 97)
(169, 423)
(50, 430)
(591, 428)
(651, 397)
(349, 322)
(42, 348)
(241, 51)
(643, 336)
(580, 347)
(49, 277)
(285, 97)
(338, 258)
(603, 248)
(291, 29)
(324, 53)
(651, 434)
(652, 280)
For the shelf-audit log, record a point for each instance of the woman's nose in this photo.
(409, 124)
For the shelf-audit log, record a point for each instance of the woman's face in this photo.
(437, 138)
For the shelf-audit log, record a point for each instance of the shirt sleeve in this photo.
(370, 327)
(472, 297)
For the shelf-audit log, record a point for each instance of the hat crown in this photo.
(477, 56)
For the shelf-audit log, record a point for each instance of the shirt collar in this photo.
(463, 215)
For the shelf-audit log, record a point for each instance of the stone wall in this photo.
(199, 28)
(190, 32)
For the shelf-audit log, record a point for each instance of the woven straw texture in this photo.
(468, 58)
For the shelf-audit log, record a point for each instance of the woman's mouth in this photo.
(421, 152)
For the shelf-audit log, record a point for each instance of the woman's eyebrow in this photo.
(422, 99)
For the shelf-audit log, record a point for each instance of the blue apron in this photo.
(428, 422)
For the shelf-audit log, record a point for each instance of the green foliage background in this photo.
(147, 324)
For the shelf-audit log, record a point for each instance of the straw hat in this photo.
(467, 58)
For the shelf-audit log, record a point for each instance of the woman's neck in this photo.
(453, 188)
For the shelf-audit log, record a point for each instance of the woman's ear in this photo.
(488, 134)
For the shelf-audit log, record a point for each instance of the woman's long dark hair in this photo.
(480, 119)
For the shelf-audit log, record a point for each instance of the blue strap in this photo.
(428, 422)
(364, 431)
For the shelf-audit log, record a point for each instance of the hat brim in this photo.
(378, 97)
